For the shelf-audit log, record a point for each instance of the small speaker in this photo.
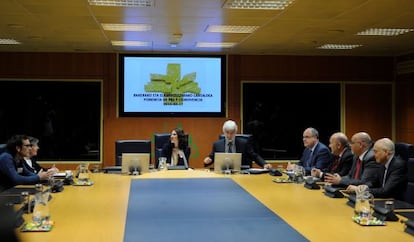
(409, 227)
(333, 192)
(312, 186)
(384, 214)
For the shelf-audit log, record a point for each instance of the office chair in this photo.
(238, 136)
(409, 191)
(3, 148)
(404, 150)
(131, 146)
(159, 140)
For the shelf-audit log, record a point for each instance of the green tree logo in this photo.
(172, 86)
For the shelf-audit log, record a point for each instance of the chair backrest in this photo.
(409, 192)
(238, 136)
(159, 140)
(3, 148)
(404, 150)
(131, 146)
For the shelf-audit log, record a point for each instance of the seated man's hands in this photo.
(207, 161)
(267, 166)
(315, 172)
(334, 179)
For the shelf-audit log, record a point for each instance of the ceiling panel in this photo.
(73, 26)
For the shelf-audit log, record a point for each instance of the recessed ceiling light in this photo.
(258, 4)
(215, 44)
(9, 42)
(130, 43)
(384, 32)
(338, 46)
(127, 27)
(122, 3)
(231, 29)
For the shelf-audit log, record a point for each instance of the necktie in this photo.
(309, 160)
(335, 165)
(230, 147)
(385, 175)
(358, 168)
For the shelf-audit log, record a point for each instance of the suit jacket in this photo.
(35, 168)
(9, 176)
(167, 152)
(344, 163)
(242, 146)
(395, 180)
(320, 158)
(367, 174)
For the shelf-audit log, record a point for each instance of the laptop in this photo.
(227, 162)
(135, 163)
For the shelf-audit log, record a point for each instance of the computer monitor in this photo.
(135, 163)
(227, 162)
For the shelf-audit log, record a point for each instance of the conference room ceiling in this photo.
(178, 25)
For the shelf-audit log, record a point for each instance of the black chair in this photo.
(131, 146)
(238, 136)
(404, 150)
(159, 140)
(409, 191)
(3, 148)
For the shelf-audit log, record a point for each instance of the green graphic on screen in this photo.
(172, 85)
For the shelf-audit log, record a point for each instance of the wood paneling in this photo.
(203, 131)
(368, 108)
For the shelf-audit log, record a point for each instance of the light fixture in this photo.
(258, 4)
(215, 44)
(130, 43)
(338, 46)
(122, 3)
(384, 31)
(126, 27)
(242, 29)
(175, 39)
(9, 42)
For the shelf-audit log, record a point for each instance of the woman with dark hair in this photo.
(177, 150)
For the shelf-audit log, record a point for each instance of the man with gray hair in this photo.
(231, 144)
(392, 175)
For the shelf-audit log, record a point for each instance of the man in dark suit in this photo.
(341, 160)
(392, 175)
(364, 168)
(231, 144)
(316, 154)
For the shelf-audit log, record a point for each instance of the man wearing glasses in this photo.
(316, 155)
(18, 147)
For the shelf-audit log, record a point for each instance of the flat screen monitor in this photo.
(172, 85)
(227, 161)
(135, 162)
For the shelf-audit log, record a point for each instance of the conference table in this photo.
(99, 212)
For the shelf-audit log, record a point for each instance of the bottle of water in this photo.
(41, 208)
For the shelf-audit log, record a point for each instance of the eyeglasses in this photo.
(28, 145)
(307, 137)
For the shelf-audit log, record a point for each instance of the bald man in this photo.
(392, 175)
(364, 169)
(341, 161)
